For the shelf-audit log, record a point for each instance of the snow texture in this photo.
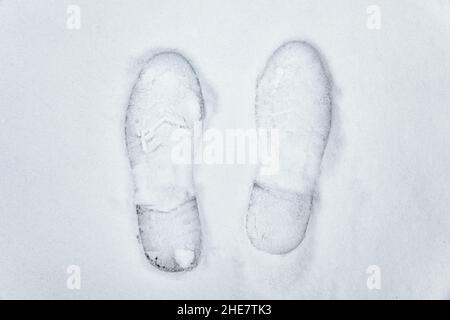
(66, 188)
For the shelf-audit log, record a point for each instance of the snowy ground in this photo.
(65, 188)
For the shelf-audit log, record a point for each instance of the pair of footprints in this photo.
(293, 96)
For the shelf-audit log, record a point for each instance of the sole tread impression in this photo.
(293, 97)
(167, 96)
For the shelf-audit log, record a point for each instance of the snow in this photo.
(294, 99)
(166, 96)
(277, 220)
(66, 192)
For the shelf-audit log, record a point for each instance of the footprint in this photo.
(293, 97)
(166, 97)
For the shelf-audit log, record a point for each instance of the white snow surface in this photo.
(293, 97)
(66, 192)
(165, 97)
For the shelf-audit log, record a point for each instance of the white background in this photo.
(65, 185)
